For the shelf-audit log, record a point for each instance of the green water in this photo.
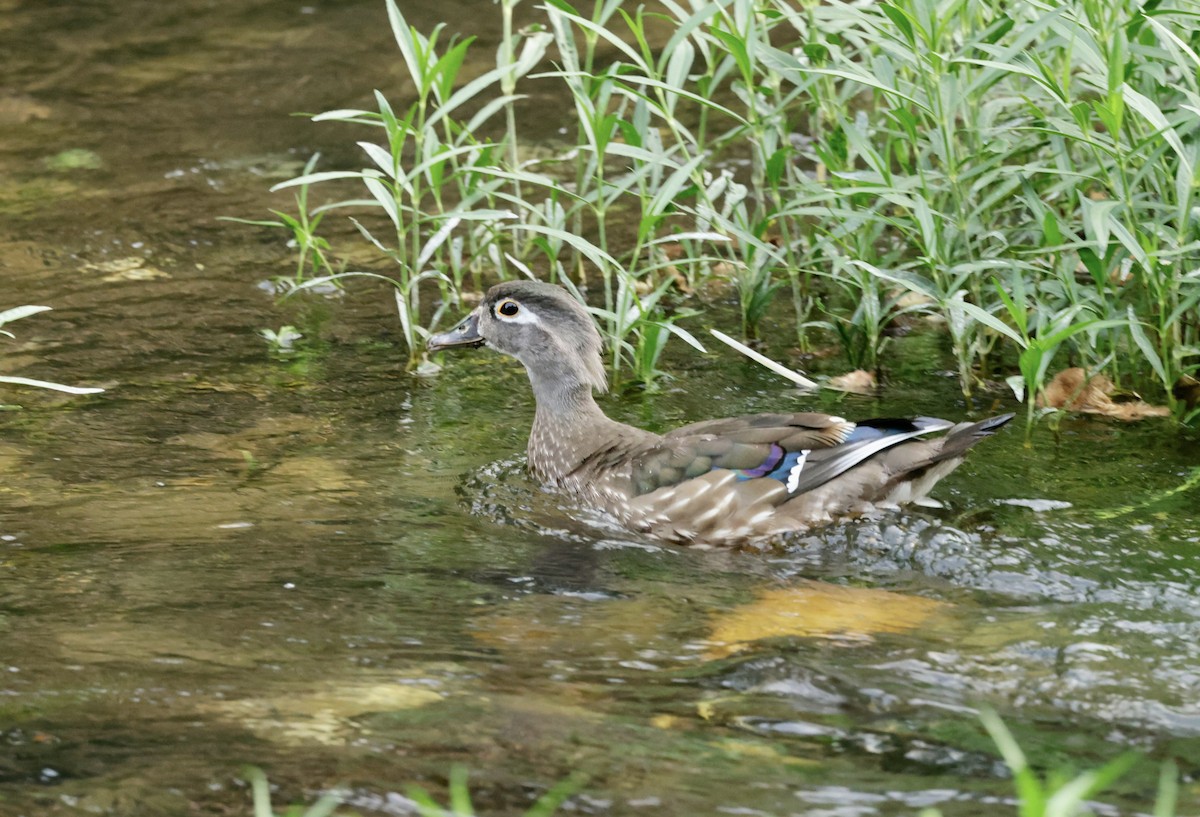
(322, 566)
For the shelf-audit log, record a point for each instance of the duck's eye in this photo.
(508, 309)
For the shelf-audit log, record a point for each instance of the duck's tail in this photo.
(964, 435)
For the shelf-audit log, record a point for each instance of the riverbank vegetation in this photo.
(1022, 175)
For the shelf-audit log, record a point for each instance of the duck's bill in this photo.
(465, 334)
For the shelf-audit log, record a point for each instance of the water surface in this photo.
(320, 565)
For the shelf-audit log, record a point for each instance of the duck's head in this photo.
(540, 325)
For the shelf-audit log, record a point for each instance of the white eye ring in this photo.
(509, 311)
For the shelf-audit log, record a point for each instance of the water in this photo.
(324, 567)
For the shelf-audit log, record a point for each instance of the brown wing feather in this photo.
(808, 429)
(736, 443)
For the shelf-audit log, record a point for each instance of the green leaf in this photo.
(385, 198)
(437, 157)
(1147, 348)
(1056, 338)
(404, 40)
(1029, 788)
(349, 115)
(1168, 789)
(1098, 219)
(900, 20)
(602, 33)
(1016, 382)
(986, 318)
(1016, 311)
(18, 312)
(597, 256)
(1128, 241)
(381, 157)
(791, 68)
(564, 6)
(1050, 231)
(639, 79)
(1158, 120)
(465, 94)
(45, 384)
(689, 236)
(684, 335)
(460, 796)
(672, 185)
(794, 376)
(314, 178)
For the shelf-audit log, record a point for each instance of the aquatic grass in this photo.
(418, 800)
(283, 340)
(590, 96)
(260, 790)
(425, 153)
(966, 129)
(460, 804)
(911, 146)
(653, 89)
(17, 313)
(752, 257)
(1039, 339)
(312, 250)
(1062, 792)
(1136, 138)
(1025, 173)
(863, 333)
(639, 331)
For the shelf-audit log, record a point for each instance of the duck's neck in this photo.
(567, 429)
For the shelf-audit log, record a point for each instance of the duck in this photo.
(737, 481)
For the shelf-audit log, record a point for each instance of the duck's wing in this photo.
(800, 451)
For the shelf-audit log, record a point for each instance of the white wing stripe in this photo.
(793, 481)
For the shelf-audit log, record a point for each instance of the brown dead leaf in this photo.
(910, 299)
(673, 250)
(1187, 389)
(681, 281)
(819, 610)
(1072, 390)
(859, 381)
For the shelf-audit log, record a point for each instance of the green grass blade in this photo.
(18, 312)
(460, 794)
(45, 384)
(1029, 788)
(260, 791)
(1146, 347)
(315, 178)
(1168, 790)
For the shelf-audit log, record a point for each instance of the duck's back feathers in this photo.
(802, 451)
(743, 478)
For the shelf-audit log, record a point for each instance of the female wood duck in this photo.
(718, 482)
